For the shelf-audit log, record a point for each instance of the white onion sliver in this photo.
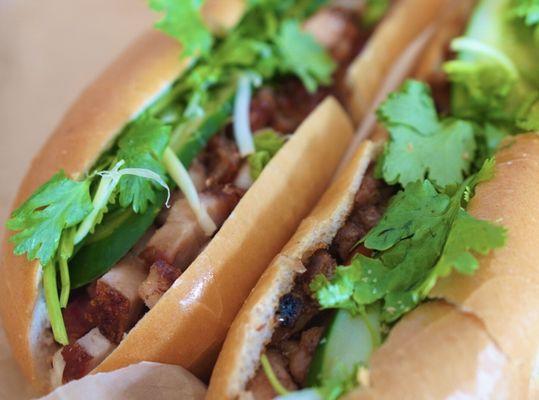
(179, 174)
(242, 124)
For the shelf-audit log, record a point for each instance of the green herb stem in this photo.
(181, 177)
(272, 378)
(53, 304)
(104, 191)
(65, 281)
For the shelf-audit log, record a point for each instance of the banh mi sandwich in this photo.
(415, 275)
(474, 336)
(157, 176)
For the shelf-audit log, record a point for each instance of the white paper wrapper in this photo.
(142, 381)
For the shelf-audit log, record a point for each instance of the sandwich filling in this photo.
(114, 248)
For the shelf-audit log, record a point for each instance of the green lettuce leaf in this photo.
(303, 57)
(142, 146)
(422, 146)
(183, 21)
(59, 204)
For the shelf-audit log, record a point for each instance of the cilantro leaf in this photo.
(528, 10)
(302, 56)
(267, 144)
(421, 146)
(142, 146)
(59, 204)
(183, 21)
(467, 234)
(423, 235)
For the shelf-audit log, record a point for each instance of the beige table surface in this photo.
(50, 50)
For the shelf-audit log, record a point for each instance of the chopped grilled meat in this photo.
(298, 307)
(81, 357)
(290, 308)
(321, 262)
(181, 238)
(263, 107)
(284, 106)
(221, 160)
(116, 302)
(347, 238)
(161, 277)
(301, 358)
(260, 388)
(79, 316)
(197, 172)
(338, 31)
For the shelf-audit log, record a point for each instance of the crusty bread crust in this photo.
(486, 342)
(254, 326)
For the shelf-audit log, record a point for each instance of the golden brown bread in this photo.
(478, 337)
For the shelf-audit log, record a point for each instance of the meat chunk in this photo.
(261, 388)
(181, 238)
(283, 107)
(338, 31)
(300, 359)
(79, 316)
(221, 160)
(298, 307)
(78, 359)
(115, 300)
(158, 281)
(320, 262)
(346, 239)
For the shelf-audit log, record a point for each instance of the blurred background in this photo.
(49, 51)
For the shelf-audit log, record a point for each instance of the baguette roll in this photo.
(478, 335)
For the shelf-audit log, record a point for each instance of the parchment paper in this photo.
(141, 381)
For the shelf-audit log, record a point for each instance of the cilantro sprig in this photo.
(182, 20)
(421, 145)
(425, 232)
(59, 204)
(424, 235)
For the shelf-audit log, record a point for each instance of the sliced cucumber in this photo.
(349, 341)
